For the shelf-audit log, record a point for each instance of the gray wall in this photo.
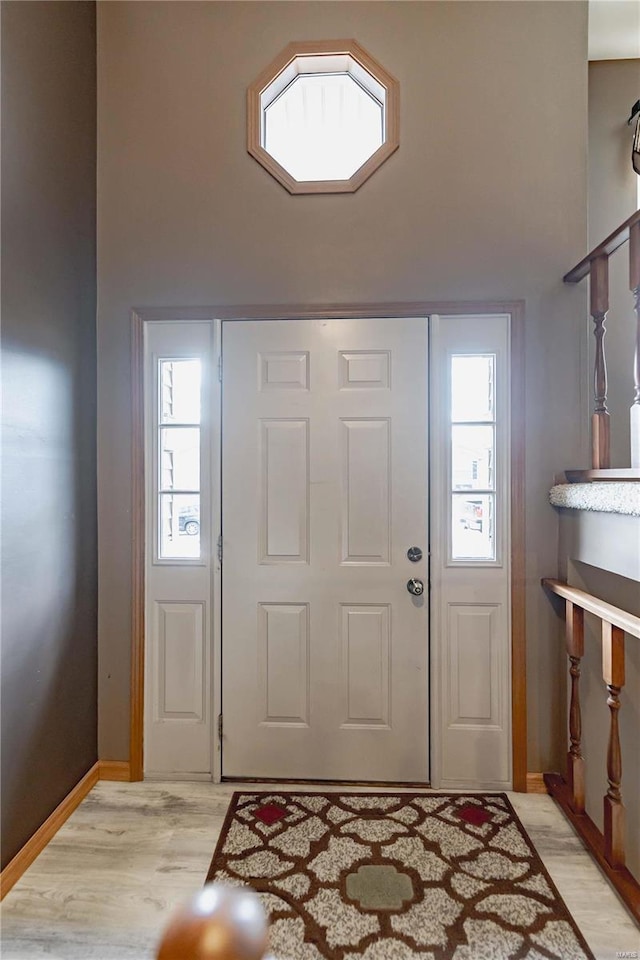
(49, 628)
(484, 199)
(614, 86)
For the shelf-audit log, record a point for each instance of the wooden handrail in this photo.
(606, 611)
(619, 236)
(608, 847)
(603, 476)
(596, 266)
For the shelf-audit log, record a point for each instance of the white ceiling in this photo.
(614, 29)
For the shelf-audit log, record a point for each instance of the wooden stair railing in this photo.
(596, 266)
(607, 848)
(219, 923)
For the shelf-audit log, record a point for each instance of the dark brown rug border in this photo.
(403, 794)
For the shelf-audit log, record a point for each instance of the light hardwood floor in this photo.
(106, 884)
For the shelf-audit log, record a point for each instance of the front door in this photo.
(324, 492)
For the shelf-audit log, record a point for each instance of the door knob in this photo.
(416, 587)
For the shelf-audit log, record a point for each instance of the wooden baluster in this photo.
(634, 286)
(613, 675)
(575, 649)
(600, 429)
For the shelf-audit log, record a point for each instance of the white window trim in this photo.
(283, 69)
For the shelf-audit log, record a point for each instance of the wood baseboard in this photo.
(115, 770)
(25, 857)
(535, 783)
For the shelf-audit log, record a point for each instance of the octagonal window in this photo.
(322, 117)
(323, 126)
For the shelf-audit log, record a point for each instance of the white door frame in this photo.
(215, 315)
(470, 598)
(184, 745)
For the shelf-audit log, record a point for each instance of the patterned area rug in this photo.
(349, 876)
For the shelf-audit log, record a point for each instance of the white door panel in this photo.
(324, 487)
(471, 556)
(179, 620)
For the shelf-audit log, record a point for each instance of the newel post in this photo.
(613, 676)
(634, 286)
(600, 427)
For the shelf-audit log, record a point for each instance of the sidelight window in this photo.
(473, 457)
(178, 458)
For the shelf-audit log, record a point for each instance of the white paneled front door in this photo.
(324, 490)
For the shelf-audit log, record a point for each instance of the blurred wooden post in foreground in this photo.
(218, 923)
